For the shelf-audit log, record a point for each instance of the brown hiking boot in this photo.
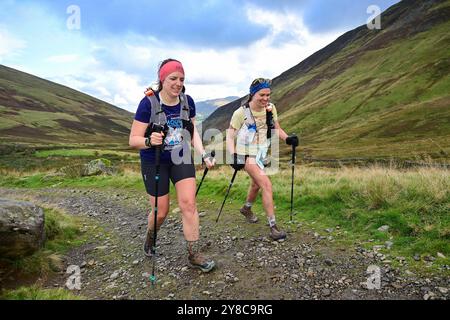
(196, 259)
(277, 234)
(201, 262)
(248, 214)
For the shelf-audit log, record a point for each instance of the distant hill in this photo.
(205, 108)
(371, 93)
(39, 111)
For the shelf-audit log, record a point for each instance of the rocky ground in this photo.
(249, 265)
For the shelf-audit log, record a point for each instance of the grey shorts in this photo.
(167, 172)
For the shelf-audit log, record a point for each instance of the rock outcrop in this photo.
(21, 228)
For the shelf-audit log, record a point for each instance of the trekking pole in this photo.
(213, 154)
(156, 128)
(228, 191)
(292, 184)
(155, 213)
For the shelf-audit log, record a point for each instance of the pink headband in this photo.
(168, 68)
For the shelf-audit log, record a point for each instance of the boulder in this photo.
(93, 168)
(22, 229)
(97, 167)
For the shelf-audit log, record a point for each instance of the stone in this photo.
(384, 228)
(428, 296)
(328, 262)
(440, 255)
(22, 229)
(443, 290)
(98, 167)
(326, 292)
(115, 275)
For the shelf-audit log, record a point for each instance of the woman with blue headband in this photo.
(253, 124)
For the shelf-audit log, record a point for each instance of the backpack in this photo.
(250, 120)
(159, 117)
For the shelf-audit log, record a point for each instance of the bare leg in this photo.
(163, 210)
(186, 200)
(262, 181)
(252, 192)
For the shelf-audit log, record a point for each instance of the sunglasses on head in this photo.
(260, 81)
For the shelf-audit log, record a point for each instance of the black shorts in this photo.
(166, 171)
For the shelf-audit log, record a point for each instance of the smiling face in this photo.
(261, 98)
(173, 84)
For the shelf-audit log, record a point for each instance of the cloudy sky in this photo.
(111, 49)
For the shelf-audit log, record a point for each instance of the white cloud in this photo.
(138, 55)
(10, 45)
(113, 86)
(117, 70)
(103, 91)
(119, 100)
(67, 58)
(288, 43)
(120, 75)
(216, 73)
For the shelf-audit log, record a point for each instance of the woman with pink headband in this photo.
(176, 162)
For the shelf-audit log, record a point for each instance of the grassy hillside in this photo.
(35, 110)
(381, 93)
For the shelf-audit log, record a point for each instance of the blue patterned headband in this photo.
(263, 85)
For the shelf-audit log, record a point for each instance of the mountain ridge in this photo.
(339, 98)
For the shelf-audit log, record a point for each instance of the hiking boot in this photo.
(148, 243)
(277, 234)
(197, 260)
(248, 214)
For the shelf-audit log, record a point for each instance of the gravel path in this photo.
(249, 265)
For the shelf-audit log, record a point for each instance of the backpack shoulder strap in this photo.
(248, 115)
(157, 114)
(269, 122)
(184, 105)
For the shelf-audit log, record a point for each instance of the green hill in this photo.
(371, 93)
(34, 110)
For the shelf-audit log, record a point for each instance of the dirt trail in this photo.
(249, 265)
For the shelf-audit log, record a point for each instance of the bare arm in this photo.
(231, 134)
(283, 135)
(198, 146)
(137, 136)
(196, 140)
